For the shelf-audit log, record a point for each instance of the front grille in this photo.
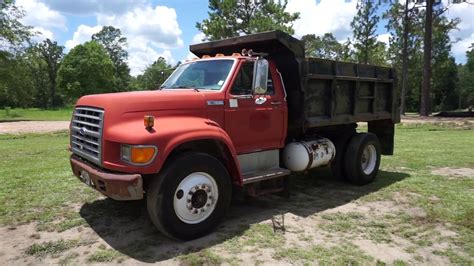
(86, 133)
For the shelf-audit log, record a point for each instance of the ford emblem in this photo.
(82, 131)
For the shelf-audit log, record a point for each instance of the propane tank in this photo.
(303, 155)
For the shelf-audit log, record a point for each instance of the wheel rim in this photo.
(195, 198)
(369, 159)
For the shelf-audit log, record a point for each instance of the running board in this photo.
(265, 175)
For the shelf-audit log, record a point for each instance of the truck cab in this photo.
(224, 124)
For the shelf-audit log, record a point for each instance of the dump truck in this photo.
(237, 120)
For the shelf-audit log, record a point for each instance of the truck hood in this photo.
(146, 101)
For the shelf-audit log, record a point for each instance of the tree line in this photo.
(40, 74)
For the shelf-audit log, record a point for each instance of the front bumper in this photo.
(115, 186)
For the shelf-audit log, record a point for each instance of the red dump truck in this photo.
(244, 116)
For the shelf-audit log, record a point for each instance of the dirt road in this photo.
(33, 127)
(51, 126)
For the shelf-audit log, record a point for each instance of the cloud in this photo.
(82, 35)
(43, 34)
(333, 16)
(465, 34)
(41, 16)
(385, 38)
(91, 7)
(198, 38)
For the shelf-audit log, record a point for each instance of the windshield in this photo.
(208, 74)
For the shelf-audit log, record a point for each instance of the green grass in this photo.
(104, 255)
(37, 182)
(38, 186)
(52, 248)
(15, 114)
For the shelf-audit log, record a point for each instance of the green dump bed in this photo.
(320, 92)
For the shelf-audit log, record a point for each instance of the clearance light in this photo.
(149, 121)
(219, 55)
(137, 154)
(205, 56)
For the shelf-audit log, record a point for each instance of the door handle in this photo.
(276, 103)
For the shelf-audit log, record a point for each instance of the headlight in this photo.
(137, 154)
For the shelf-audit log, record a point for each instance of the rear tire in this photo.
(362, 158)
(190, 196)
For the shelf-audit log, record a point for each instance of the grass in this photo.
(52, 248)
(38, 186)
(15, 114)
(37, 182)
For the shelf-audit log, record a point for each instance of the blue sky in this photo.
(166, 27)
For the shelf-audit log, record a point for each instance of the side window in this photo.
(243, 82)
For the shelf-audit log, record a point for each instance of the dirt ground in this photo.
(22, 127)
(324, 214)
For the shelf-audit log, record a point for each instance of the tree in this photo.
(52, 54)
(327, 47)
(466, 81)
(427, 46)
(230, 18)
(364, 25)
(154, 75)
(113, 41)
(12, 31)
(86, 69)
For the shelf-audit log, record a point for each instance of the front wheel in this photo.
(190, 196)
(362, 158)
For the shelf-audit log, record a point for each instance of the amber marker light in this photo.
(138, 154)
(149, 121)
(142, 155)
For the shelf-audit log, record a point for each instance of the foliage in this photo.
(114, 42)
(12, 31)
(364, 25)
(327, 47)
(153, 76)
(86, 69)
(229, 18)
(466, 81)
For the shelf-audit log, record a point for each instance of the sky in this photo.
(166, 28)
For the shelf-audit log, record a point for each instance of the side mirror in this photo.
(260, 76)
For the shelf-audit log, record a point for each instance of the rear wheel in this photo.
(190, 196)
(362, 158)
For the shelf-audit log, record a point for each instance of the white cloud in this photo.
(465, 34)
(198, 38)
(158, 26)
(82, 35)
(139, 59)
(91, 7)
(333, 16)
(385, 38)
(42, 34)
(41, 16)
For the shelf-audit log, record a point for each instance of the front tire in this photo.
(362, 158)
(190, 196)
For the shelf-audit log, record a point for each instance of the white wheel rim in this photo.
(195, 198)
(369, 159)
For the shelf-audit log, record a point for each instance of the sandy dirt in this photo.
(33, 127)
(456, 172)
(52, 126)
(124, 227)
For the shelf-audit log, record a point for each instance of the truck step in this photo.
(265, 175)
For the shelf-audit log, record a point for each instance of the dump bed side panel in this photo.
(340, 92)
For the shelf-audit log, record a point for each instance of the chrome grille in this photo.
(86, 133)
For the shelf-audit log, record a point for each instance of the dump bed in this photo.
(320, 92)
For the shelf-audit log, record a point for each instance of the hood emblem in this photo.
(82, 131)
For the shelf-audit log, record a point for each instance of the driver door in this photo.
(254, 122)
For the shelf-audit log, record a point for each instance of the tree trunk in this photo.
(404, 60)
(426, 84)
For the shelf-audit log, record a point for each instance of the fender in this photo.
(168, 133)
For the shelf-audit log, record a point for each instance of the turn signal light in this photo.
(137, 154)
(142, 155)
(149, 121)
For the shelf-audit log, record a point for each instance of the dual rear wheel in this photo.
(358, 160)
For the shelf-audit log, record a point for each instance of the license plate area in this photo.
(84, 176)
